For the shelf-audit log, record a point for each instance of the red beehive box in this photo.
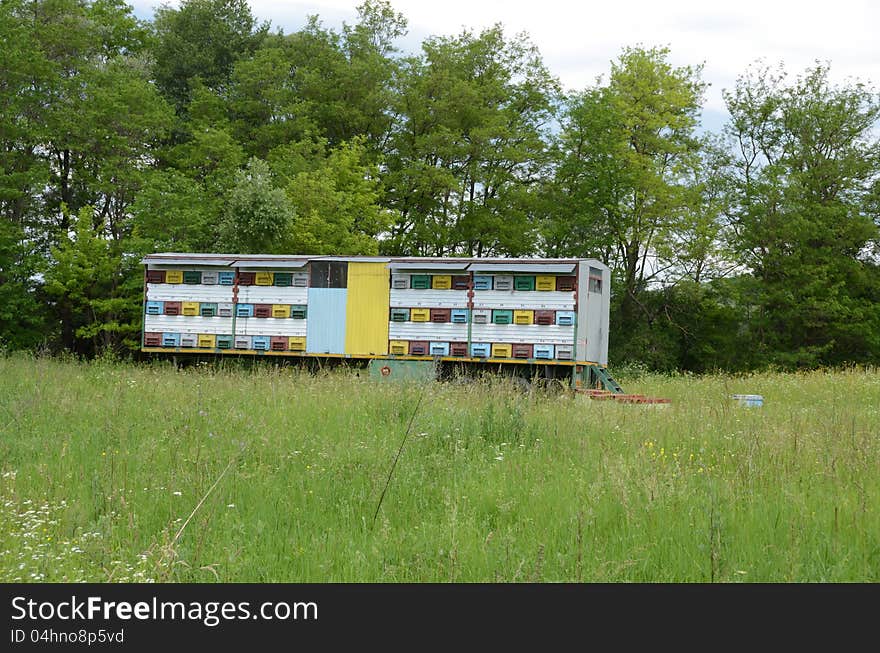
(566, 283)
(461, 282)
(152, 340)
(172, 308)
(458, 349)
(278, 343)
(439, 315)
(522, 351)
(262, 310)
(418, 348)
(246, 278)
(155, 276)
(545, 317)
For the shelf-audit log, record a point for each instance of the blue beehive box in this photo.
(480, 349)
(459, 316)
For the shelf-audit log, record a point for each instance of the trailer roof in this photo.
(450, 264)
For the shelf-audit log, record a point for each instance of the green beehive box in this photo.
(502, 317)
(298, 312)
(284, 279)
(420, 281)
(524, 283)
(192, 276)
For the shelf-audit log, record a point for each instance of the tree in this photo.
(805, 159)
(469, 143)
(628, 161)
(200, 42)
(96, 291)
(22, 318)
(174, 213)
(335, 196)
(258, 215)
(317, 83)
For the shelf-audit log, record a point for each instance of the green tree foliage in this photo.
(317, 83)
(807, 157)
(173, 213)
(335, 196)
(257, 216)
(96, 291)
(22, 319)
(628, 154)
(469, 147)
(199, 42)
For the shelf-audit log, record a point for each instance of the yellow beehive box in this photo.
(523, 317)
(399, 347)
(545, 282)
(501, 350)
(174, 276)
(264, 278)
(420, 315)
(190, 308)
(207, 341)
(442, 282)
(297, 343)
(280, 310)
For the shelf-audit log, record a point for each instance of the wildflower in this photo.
(177, 493)
(230, 505)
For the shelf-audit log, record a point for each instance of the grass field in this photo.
(123, 472)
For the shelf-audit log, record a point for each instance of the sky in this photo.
(578, 40)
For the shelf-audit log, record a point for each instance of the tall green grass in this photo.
(103, 467)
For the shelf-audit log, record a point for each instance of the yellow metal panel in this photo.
(501, 351)
(420, 315)
(442, 282)
(366, 309)
(543, 282)
(207, 340)
(297, 343)
(523, 317)
(190, 308)
(174, 276)
(399, 347)
(280, 310)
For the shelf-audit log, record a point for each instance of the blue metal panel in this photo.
(226, 277)
(439, 349)
(261, 343)
(244, 310)
(325, 332)
(171, 340)
(154, 308)
(459, 316)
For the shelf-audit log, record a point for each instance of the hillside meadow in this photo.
(123, 472)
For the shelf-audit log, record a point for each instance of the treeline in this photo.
(208, 130)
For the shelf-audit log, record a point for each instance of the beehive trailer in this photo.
(403, 317)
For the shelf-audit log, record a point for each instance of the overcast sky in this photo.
(579, 39)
